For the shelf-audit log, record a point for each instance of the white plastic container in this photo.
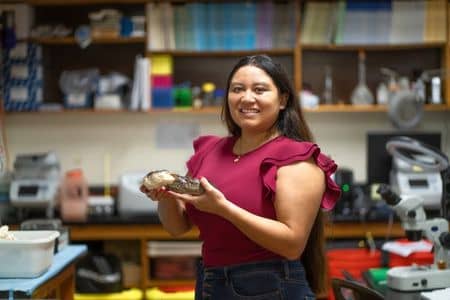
(30, 255)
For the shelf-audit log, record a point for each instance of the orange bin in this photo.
(353, 260)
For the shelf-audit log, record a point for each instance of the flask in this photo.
(74, 195)
(361, 94)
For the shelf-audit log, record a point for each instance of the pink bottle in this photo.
(74, 197)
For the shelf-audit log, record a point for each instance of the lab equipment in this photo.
(328, 86)
(35, 182)
(379, 161)
(361, 94)
(49, 224)
(131, 201)
(79, 87)
(410, 209)
(416, 170)
(73, 196)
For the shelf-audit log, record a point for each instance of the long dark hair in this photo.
(290, 123)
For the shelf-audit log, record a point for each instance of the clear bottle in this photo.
(382, 94)
(436, 90)
(328, 86)
(361, 94)
(74, 193)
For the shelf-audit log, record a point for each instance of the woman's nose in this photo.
(248, 95)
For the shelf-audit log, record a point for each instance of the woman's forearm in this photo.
(270, 234)
(172, 215)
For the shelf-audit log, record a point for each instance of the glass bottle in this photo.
(361, 94)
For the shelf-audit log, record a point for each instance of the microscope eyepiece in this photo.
(388, 195)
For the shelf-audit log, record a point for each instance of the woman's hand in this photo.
(156, 194)
(211, 201)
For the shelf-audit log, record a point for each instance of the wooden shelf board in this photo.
(124, 232)
(223, 53)
(81, 2)
(336, 108)
(71, 40)
(156, 232)
(325, 108)
(171, 282)
(380, 47)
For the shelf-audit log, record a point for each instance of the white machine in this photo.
(410, 209)
(407, 179)
(35, 182)
(131, 201)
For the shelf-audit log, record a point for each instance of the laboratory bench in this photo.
(137, 231)
(58, 282)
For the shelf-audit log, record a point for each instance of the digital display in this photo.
(418, 183)
(28, 190)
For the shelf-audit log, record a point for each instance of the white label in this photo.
(76, 99)
(19, 94)
(19, 52)
(19, 71)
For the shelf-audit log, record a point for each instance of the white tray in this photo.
(30, 255)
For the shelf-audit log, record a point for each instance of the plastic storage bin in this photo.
(30, 255)
(352, 260)
(131, 294)
(157, 294)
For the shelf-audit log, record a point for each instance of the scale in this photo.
(35, 182)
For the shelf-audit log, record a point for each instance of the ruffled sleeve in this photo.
(201, 146)
(292, 152)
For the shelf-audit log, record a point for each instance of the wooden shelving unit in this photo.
(302, 59)
(304, 64)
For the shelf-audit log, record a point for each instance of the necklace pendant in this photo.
(236, 159)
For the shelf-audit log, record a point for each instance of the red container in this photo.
(162, 81)
(354, 261)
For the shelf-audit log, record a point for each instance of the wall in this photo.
(83, 140)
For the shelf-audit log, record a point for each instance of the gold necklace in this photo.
(238, 156)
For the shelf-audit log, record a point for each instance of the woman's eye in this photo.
(260, 90)
(236, 89)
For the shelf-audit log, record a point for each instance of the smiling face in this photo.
(254, 100)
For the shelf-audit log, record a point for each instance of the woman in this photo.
(259, 218)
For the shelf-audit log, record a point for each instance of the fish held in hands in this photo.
(173, 182)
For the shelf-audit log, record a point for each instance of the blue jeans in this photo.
(266, 280)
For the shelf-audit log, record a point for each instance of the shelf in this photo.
(224, 53)
(72, 41)
(380, 47)
(206, 110)
(156, 232)
(171, 282)
(336, 108)
(82, 2)
(325, 108)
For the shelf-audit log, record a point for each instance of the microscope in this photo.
(410, 210)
